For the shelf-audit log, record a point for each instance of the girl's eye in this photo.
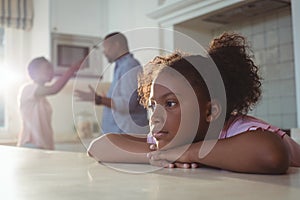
(171, 104)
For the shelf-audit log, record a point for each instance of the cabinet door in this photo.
(78, 17)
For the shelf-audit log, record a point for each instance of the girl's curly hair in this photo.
(231, 54)
(150, 72)
(233, 57)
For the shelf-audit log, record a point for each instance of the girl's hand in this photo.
(153, 147)
(184, 165)
(173, 158)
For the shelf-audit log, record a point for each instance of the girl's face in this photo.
(175, 112)
(45, 73)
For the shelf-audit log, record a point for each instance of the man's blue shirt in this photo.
(128, 116)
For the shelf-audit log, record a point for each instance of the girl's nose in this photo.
(158, 115)
(157, 118)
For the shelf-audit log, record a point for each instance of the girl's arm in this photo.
(249, 152)
(119, 148)
(59, 84)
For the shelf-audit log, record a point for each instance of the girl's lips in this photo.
(159, 135)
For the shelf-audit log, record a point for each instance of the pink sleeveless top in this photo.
(241, 123)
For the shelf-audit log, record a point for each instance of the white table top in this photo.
(36, 174)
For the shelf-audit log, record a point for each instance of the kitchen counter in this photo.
(38, 174)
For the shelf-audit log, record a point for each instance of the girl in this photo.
(184, 113)
(35, 109)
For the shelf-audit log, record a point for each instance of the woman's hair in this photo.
(34, 66)
(230, 54)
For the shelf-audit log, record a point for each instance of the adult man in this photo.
(122, 112)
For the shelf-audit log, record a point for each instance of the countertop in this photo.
(38, 174)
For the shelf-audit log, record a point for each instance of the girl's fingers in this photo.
(183, 165)
(162, 159)
(161, 163)
(162, 155)
(194, 165)
(153, 147)
(156, 155)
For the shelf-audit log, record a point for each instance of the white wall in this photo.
(130, 17)
(79, 17)
(129, 14)
(40, 33)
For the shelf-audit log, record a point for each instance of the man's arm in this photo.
(92, 96)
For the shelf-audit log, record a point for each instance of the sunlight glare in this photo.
(8, 77)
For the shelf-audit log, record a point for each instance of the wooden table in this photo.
(28, 174)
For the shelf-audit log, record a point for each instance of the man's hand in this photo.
(86, 96)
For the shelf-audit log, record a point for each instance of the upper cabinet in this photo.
(79, 17)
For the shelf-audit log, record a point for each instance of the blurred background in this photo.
(270, 26)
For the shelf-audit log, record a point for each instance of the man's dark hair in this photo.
(117, 37)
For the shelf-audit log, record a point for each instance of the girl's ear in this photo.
(213, 110)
